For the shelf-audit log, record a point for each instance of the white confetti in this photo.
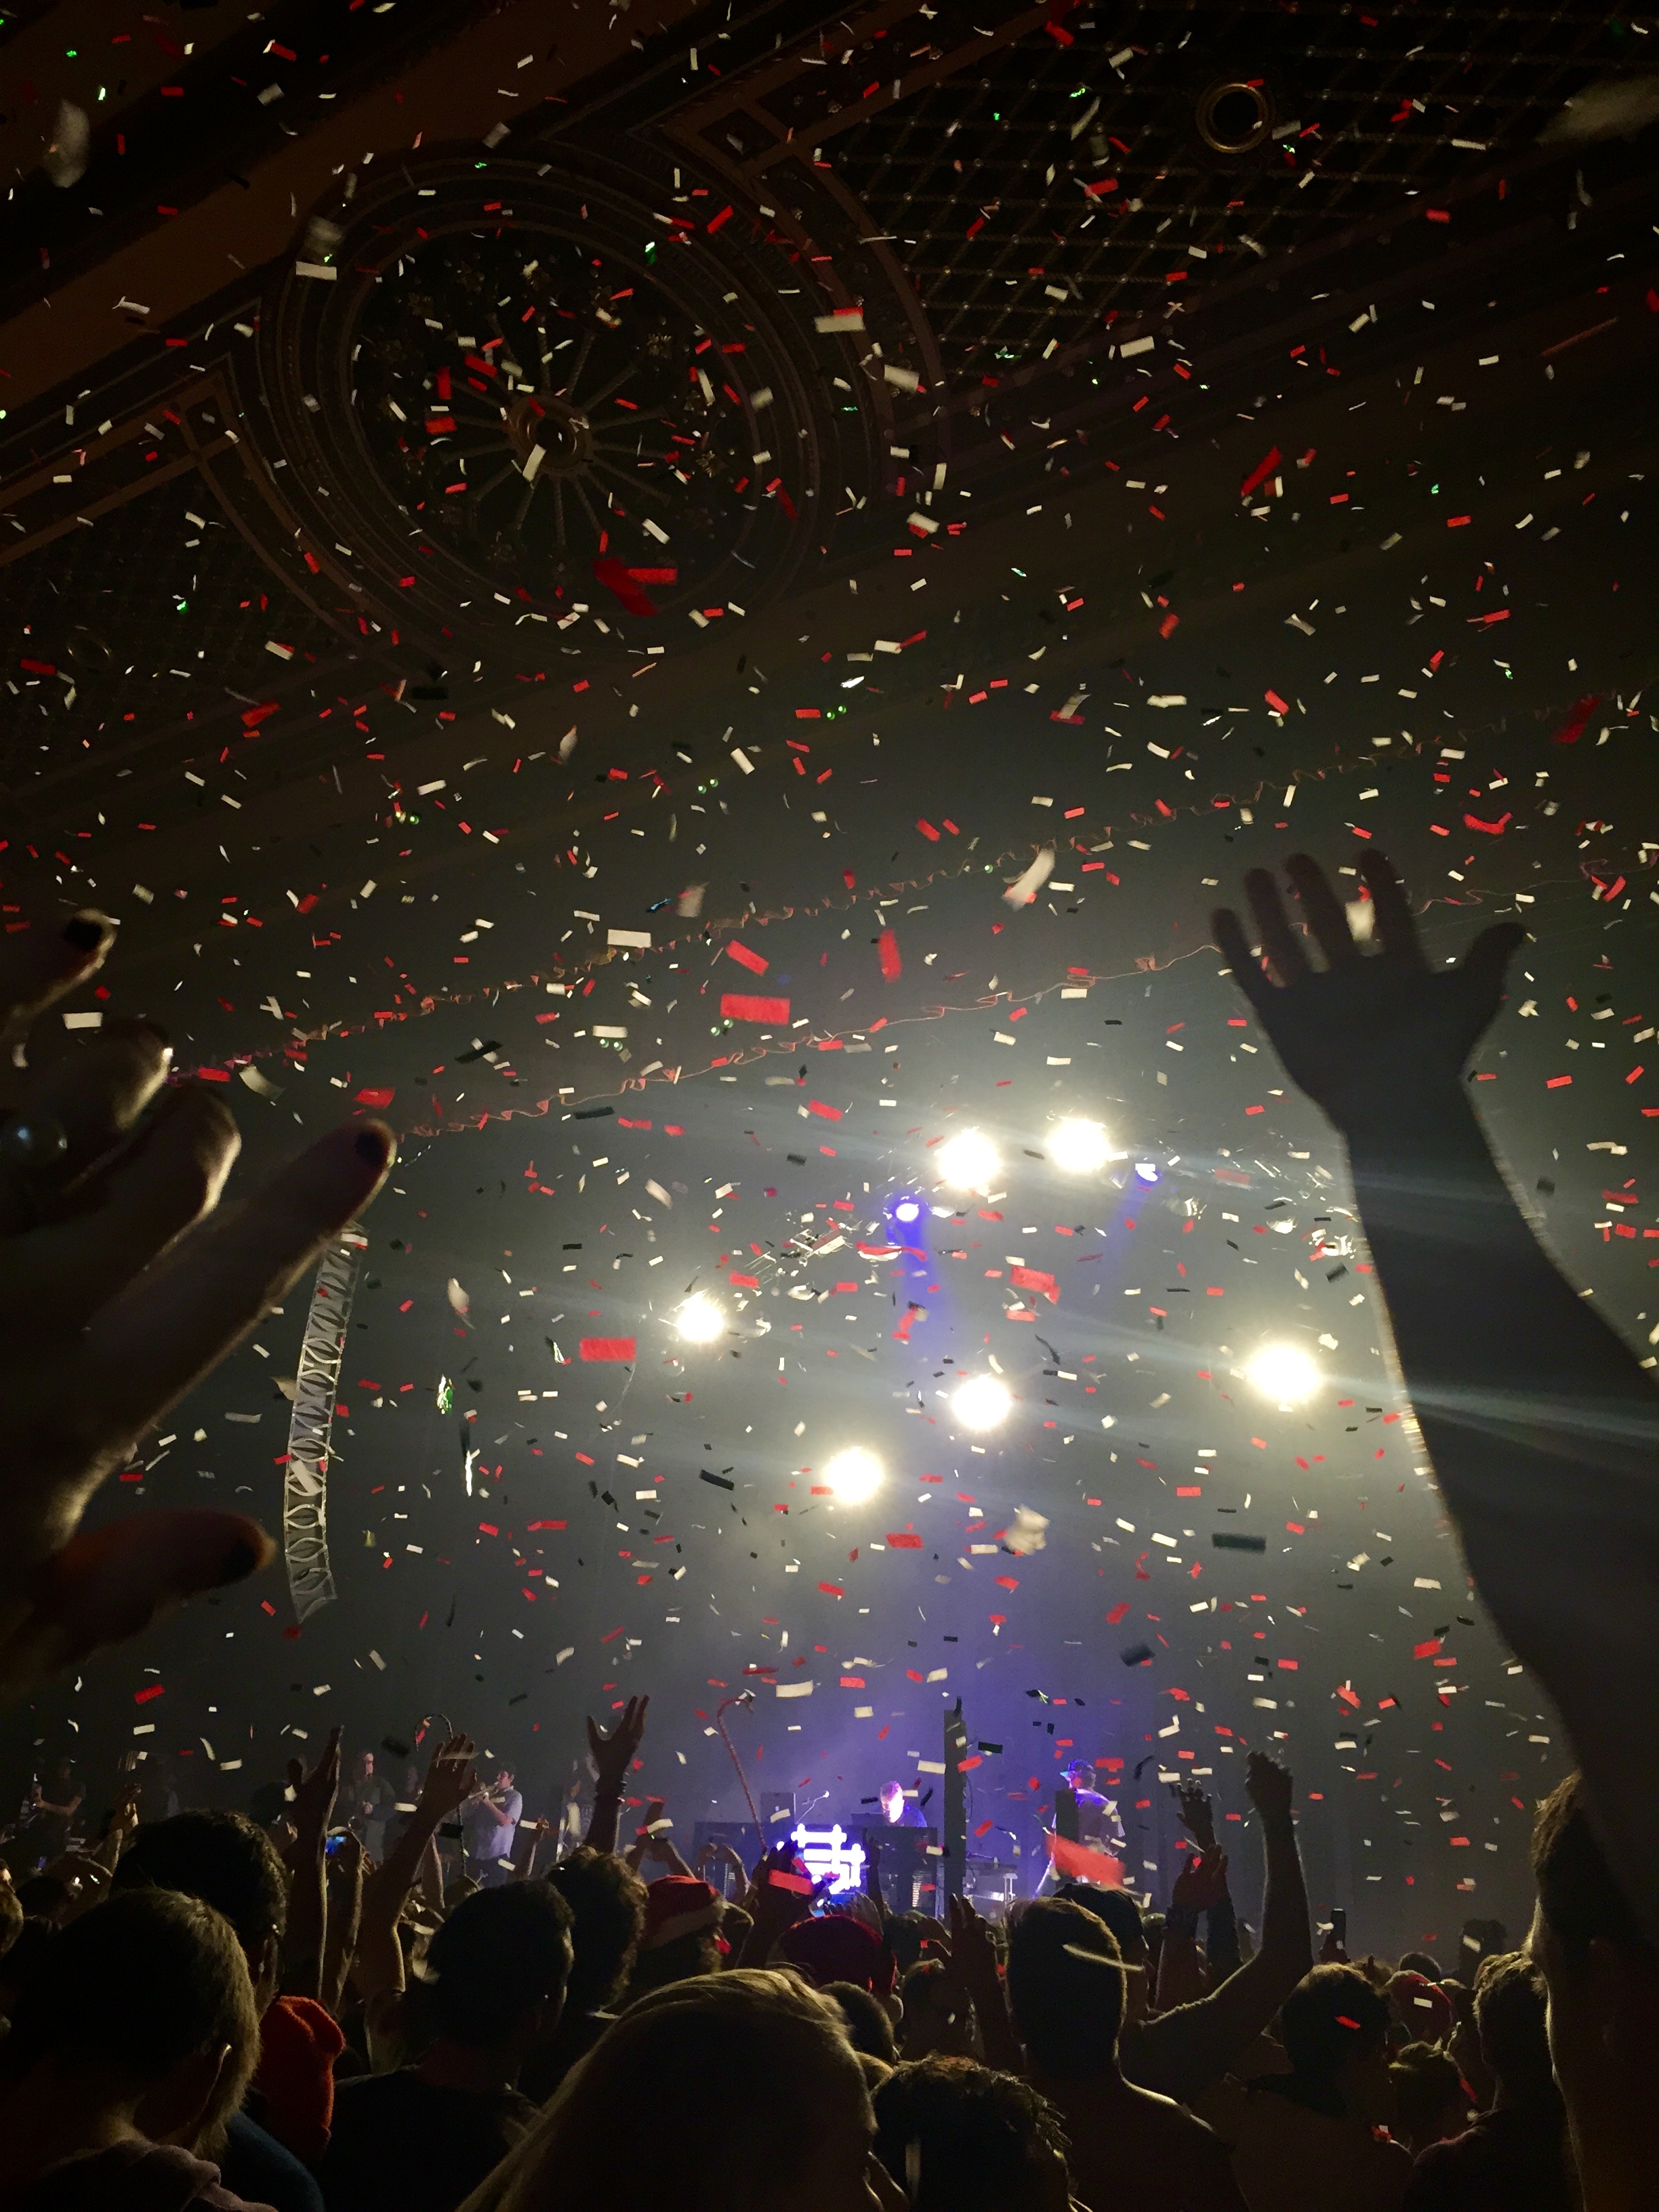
(1025, 888)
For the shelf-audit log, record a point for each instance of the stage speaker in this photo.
(910, 1861)
(955, 1820)
(992, 1886)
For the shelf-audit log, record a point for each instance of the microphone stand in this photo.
(746, 1698)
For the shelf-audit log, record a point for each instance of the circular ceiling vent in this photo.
(513, 388)
(1235, 115)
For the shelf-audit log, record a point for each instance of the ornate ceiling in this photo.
(766, 299)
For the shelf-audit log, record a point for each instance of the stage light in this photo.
(1283, 1373)
(1079, 1147)
(853, 1475)
(699, 1320)
(981, 1403)
(970, 1161)
(1147, 1170)
(907, 1210)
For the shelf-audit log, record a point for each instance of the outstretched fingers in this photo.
(156, 1188)
(95, 1090)
(175, 1323)
(109, 1582)
(1280, 940)
(1247, 969)
(35, 969)
(1396, 932)
(1489, 956)
(1325, 913)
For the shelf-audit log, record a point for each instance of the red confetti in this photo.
(1570, 732)
(738, 1006)
(1261, 472)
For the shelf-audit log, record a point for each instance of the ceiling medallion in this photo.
(523, 390)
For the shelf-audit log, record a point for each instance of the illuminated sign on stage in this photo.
(828, 1855)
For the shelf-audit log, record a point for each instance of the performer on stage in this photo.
(895, 1870)
(899, 1811)
(370, 1798)
(1098, 1822)
(489, 1820)
(1082, 1816)
(42, 1831)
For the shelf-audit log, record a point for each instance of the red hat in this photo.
(678, 1905)
(1423, 2007)
(299, 2043)
(838, 1949)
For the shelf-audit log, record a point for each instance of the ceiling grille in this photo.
(114, 632)
(1040, 177)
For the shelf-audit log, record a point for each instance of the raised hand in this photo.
(314, 1793)
(613, 1753)
(125, 1818)
(450, 1780)
(103, 1170)
(1202, 1882)
(1368, 1031)
(773, 1905)
(1269, 1786)
(1196, 1817)
(350, 1861)
(973, 1952)
(778, 1903)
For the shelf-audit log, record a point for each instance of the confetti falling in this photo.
(1353, 566)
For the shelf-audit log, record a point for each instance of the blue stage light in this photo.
(1147, 1170)
(907, 1210)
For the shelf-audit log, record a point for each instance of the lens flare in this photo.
(981, 1403)
(1284, 1373)
(970, 1161)
(699, 1320)
(1079, 1147)
(854, 1474)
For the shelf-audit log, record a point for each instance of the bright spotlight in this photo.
(907, 1210)
(1283, 1373)
(699, 1320)
(853, 1475)
(1079, 1147)
(1147, 1170)
(981, 1403)
(971, 1161)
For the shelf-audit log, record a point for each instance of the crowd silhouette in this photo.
(202, 2009)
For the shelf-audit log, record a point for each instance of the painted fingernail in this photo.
(374, 1145)
(84, 932)
(238, 1561)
